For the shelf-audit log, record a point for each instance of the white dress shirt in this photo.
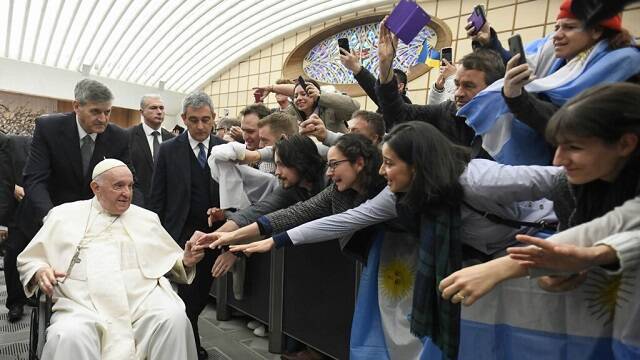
(194, 145)
(147, 131)
(82, 133)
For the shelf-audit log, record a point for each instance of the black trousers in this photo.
(16, 242)
(196, 294)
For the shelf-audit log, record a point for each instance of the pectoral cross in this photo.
(74, 260)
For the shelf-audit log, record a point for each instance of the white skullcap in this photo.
(105, 165)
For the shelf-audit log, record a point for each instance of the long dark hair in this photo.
(437, 162)
(354, 146)
(606, 112)
(299, 152)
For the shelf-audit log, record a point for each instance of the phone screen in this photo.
(447, 53)
(302, 83)
(515, 47)
(344, 44)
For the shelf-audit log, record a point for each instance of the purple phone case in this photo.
(476, 20)
(406, 20)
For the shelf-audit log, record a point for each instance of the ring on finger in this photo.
(459, 296)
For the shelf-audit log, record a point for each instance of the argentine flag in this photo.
(517, 320)
(510, 141)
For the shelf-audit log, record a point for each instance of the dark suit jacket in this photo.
(6, 192)
(17, 149)
(53, 173)
(141, 158)
(171, 184)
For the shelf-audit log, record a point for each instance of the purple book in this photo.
(406, 20)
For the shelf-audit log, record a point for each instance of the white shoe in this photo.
(260, 331)
(253, 324)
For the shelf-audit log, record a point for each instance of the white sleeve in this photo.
(621, 218)
(379, 209)
(436, 96)
(627, 247)
(506, 184)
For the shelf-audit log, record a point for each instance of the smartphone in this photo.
(478, 18)
(446, 53)
(302, 83)
(343, 43)
(515, 47)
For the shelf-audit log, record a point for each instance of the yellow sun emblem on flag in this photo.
(396, 279)
(606, 293)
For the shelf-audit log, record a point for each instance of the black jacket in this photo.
(442, 116)
(13, 157)
(367, 82)
(141, 158)
(171, 183)
(53, 172)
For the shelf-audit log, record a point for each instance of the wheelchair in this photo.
(40, 320)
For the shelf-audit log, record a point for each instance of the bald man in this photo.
(103, 261)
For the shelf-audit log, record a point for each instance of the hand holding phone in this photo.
(516, 47)
(446, 53)
(343, 43)
(302, 84)
(477, 19)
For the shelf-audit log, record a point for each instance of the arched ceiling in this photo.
(177, 45)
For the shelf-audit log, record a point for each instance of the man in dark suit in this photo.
(6, 193)
(17, 149)
(183, 191)
(145, 140)
(65, 149)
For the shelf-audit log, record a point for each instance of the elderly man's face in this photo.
(93, 116)
(114, 190)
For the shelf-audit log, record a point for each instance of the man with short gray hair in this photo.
(65, 149)
(183, 193)
(145, 140)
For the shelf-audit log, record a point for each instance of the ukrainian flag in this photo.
(423, 54)
(433, 59)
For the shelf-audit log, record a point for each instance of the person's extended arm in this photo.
(506, 184)
(343, 107)
(379, 209)
(487, 38)
(620, 219)
(300, 213)
(284, 89)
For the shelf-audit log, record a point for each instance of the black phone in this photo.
(478, 18)
(446, 53)
(302, 84)
(515, 47)
(343, 43)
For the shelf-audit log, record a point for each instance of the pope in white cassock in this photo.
(104, 261)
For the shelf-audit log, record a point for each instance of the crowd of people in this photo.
(511, 170)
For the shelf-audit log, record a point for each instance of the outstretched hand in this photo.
(469, 284)
(559, 257)
(223, 263)
(261, 246)
(192, 252)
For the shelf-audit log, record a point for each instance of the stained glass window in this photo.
(323, 60)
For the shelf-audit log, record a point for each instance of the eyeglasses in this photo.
(333, 164)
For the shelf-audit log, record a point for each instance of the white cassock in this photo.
(116, 303)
